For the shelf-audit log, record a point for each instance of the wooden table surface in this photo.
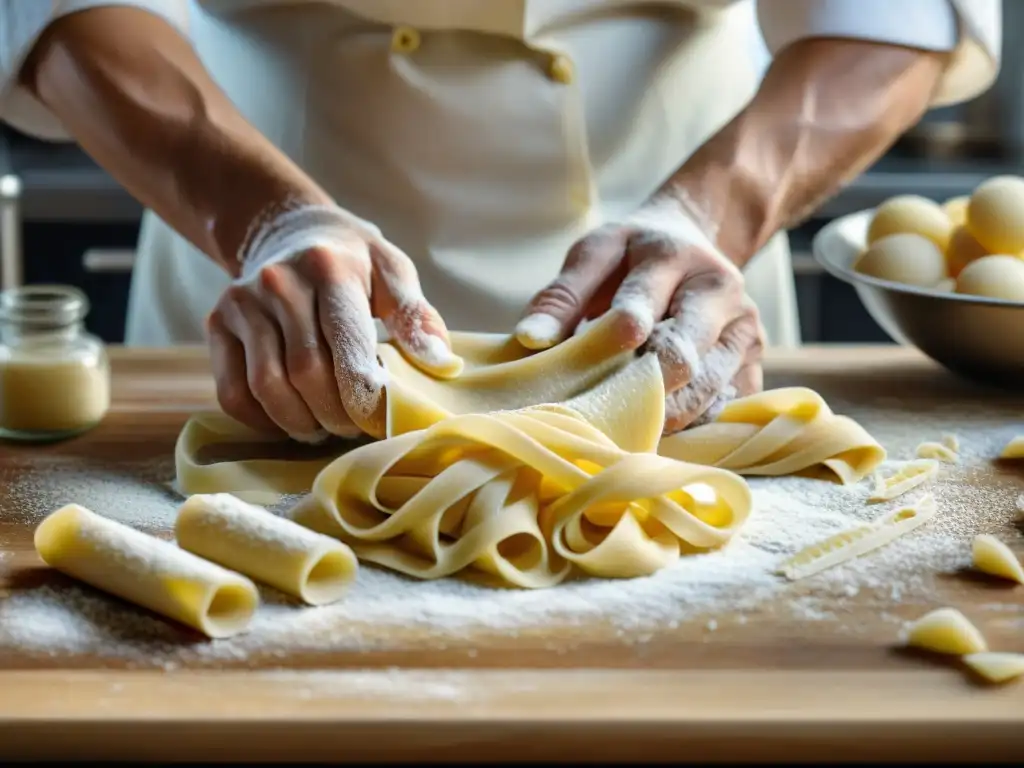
(766, 690)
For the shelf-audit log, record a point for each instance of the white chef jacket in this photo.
(485, 136)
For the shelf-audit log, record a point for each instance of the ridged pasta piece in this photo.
(858, 541)
(946, 450)
(904, 479)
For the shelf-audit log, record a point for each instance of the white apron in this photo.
(485, 136)
(473, 151)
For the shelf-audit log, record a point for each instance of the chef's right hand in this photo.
(293, 341)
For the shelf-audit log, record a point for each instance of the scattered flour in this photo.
(388, 612)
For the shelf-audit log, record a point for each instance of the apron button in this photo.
(405, 40)
(560, 69)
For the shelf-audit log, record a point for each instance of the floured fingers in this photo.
(411, 321)
(248, 358)
(714, 382)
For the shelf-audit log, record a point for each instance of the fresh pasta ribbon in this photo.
(779, 432)
(523, 496)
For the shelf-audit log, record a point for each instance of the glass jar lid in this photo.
(43, 306)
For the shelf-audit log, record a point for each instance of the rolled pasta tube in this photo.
(146, 571)
(308, 565)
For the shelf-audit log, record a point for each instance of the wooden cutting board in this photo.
(771, 686)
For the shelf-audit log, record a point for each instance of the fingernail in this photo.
(435, 354)
(639, 309)
(314, 438)
(539, 331)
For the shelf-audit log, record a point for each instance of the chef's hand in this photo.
(293, 340)
(678, 297)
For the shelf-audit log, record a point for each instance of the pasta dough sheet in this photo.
(146, 571)
(530, 464)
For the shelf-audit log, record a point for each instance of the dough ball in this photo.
(911, 214)
(997, 277)
(963, 248)
(956, 210)
(995, 214)
(907, 258)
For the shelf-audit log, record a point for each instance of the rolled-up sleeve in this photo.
(970, 29)
(21, 24)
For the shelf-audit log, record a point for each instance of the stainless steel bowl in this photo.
(979, 338)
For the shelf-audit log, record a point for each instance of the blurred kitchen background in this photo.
(64, 220)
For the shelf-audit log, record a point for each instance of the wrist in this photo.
(677, 217)
(283, 230)
(240, 186)
(723, 188)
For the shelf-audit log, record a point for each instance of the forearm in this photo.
(826, 110)
(130, 89)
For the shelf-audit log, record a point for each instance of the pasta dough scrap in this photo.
(946, 630)
(946, 450)
(146, 571)
(855, 542)
(1014, 449)
(993, 557)
(276, 551)
(906, 478)
(996, 667)
(525, 495)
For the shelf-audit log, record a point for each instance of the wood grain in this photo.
(765, 688)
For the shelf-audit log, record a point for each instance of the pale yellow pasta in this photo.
(947, 450)
(946, 630)
(146, 571)
(270, 549)
(1014, 449)
(434, 497)
(858, 541)
(522, 495)
(258, 481)
(779, 432)
(993, 557)
(904, 479)
(996, 667)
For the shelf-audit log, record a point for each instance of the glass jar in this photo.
(54, 375)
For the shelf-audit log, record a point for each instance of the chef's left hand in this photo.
(678, 297)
